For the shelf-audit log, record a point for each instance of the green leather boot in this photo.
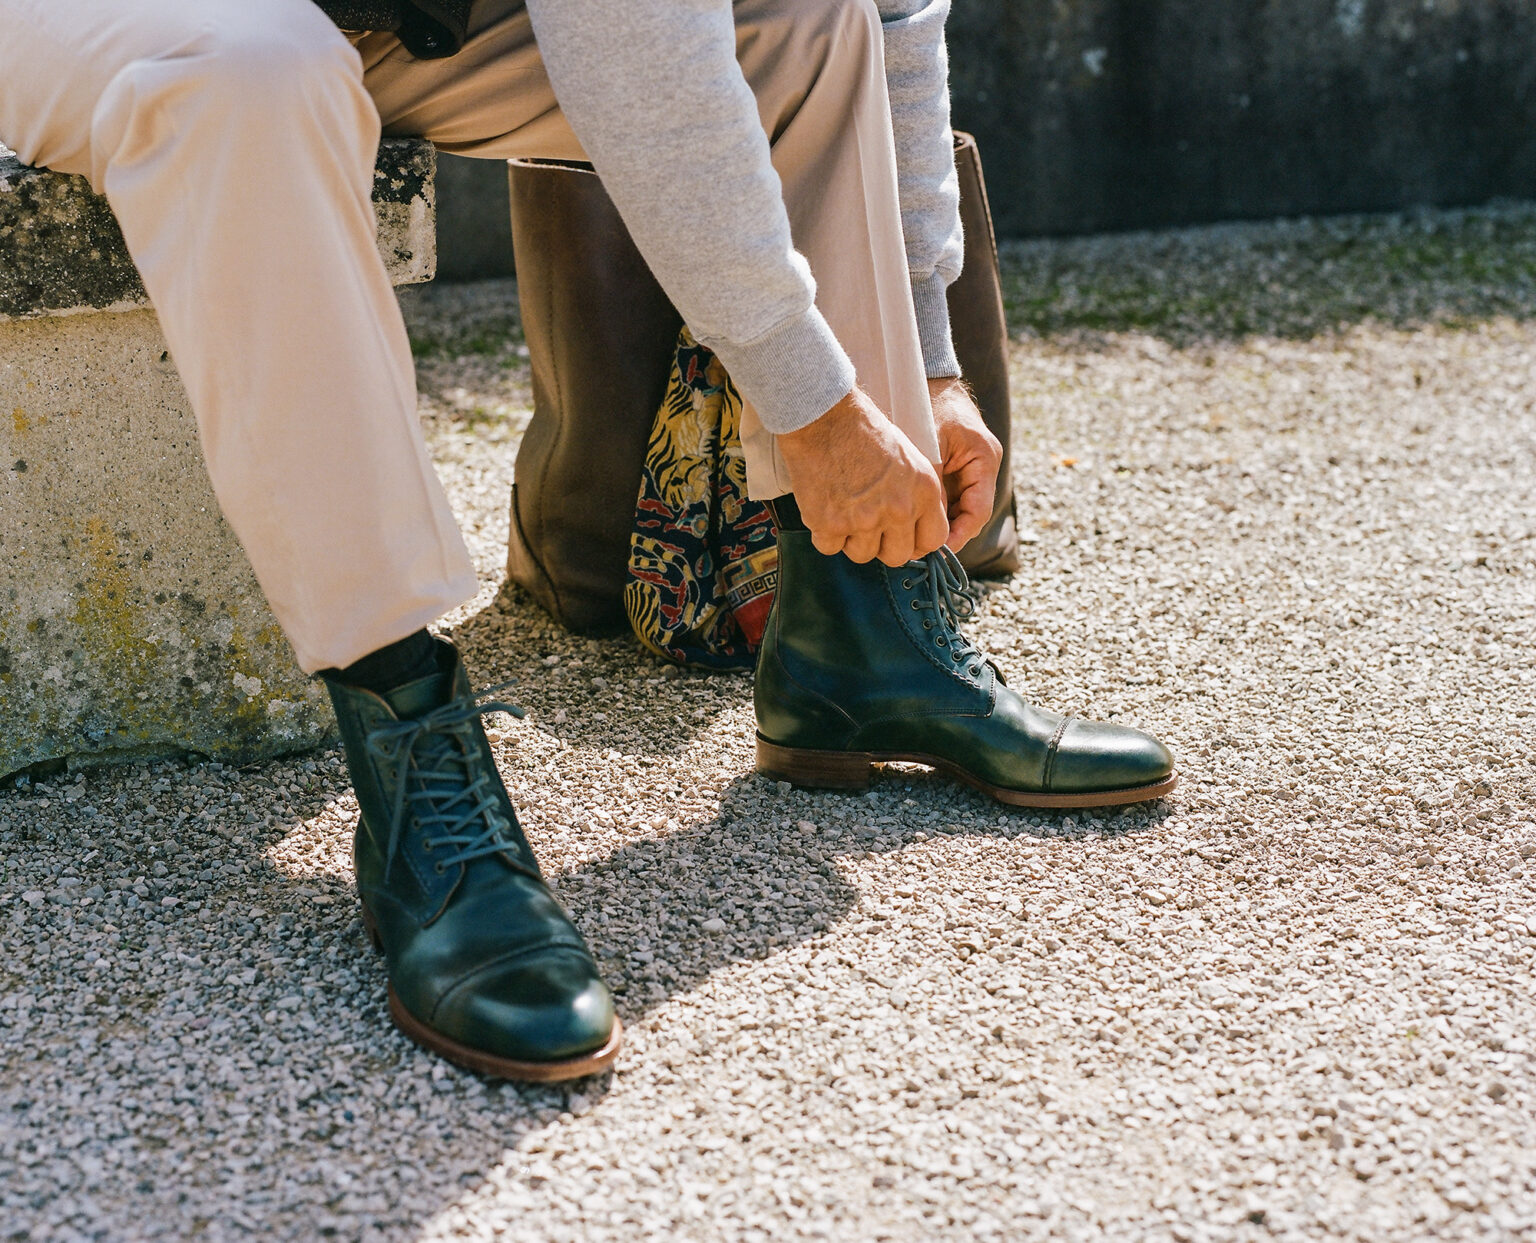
(863, 664)
(484, 967)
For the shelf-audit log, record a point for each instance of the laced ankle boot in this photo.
(484, 967)
(864, 664)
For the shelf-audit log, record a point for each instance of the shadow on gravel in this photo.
(235, 1058)
(602, 691)
(772, 886)
(251, 1038)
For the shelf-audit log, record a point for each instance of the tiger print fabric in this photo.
(703, 559)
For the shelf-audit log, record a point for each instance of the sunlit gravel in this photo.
(1278, 490)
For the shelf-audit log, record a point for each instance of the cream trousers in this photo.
(235, 142)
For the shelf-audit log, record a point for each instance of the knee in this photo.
(855, 24)
(229, 60)
(261, 65)
(862, 16)
(236, 73)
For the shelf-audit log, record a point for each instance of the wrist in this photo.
(950, 397)
(828, 426)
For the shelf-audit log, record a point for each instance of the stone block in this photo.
(130, 622)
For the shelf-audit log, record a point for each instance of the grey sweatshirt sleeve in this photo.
(721, 250)
(650, 85)
(917, 73)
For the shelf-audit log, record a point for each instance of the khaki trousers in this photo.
(236, 142)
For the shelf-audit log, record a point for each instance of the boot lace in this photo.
(949, 599)
(434, 756)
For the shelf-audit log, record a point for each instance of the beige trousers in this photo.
(235, 142)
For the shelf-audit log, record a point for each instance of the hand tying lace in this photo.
(952, 600)
(454, 809)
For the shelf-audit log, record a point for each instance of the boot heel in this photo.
(828, 770)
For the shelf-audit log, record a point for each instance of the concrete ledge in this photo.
(130, 622)
(61, 251)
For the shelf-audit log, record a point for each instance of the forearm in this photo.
(689, 169)
(917, 74)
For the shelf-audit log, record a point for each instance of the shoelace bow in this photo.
(434, 752)
(952, 600)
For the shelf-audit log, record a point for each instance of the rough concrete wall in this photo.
(130, 622)
(1108, 114)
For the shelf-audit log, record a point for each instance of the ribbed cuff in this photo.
(792, 375)
(931, 300)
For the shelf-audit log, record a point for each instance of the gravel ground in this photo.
(1276, 482)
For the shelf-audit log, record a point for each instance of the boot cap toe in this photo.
(548, 1006)
(1095, 755)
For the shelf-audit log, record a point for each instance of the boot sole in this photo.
(852, 770)
(490, 1064)
(504, 1067)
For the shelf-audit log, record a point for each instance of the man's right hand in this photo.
(863, 487)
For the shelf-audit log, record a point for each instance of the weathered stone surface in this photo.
(404, 202)
(130, 621)
(1109, 114)
(61, 249)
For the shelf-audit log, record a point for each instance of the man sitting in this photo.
(810, 138)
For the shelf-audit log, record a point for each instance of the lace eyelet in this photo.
(440, 869)
(942, 641)
(915, 606)
(927, 625)
(429, 846)
(906, 584)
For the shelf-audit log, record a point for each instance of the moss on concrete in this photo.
(130, 624)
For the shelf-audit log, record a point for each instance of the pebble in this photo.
(1293, 1001)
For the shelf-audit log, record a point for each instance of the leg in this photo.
(236, 146)
(863, 663)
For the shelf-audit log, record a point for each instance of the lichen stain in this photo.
(116, 648)
(107, 622)
(20, 422)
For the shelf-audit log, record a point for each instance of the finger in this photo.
(932, 529)
(862, 546)
(827, 541)
(969, 514)
(897, 546)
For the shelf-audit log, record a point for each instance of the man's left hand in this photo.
(971, 456)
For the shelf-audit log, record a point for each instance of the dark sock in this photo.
(786, 514)
(407, 660)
